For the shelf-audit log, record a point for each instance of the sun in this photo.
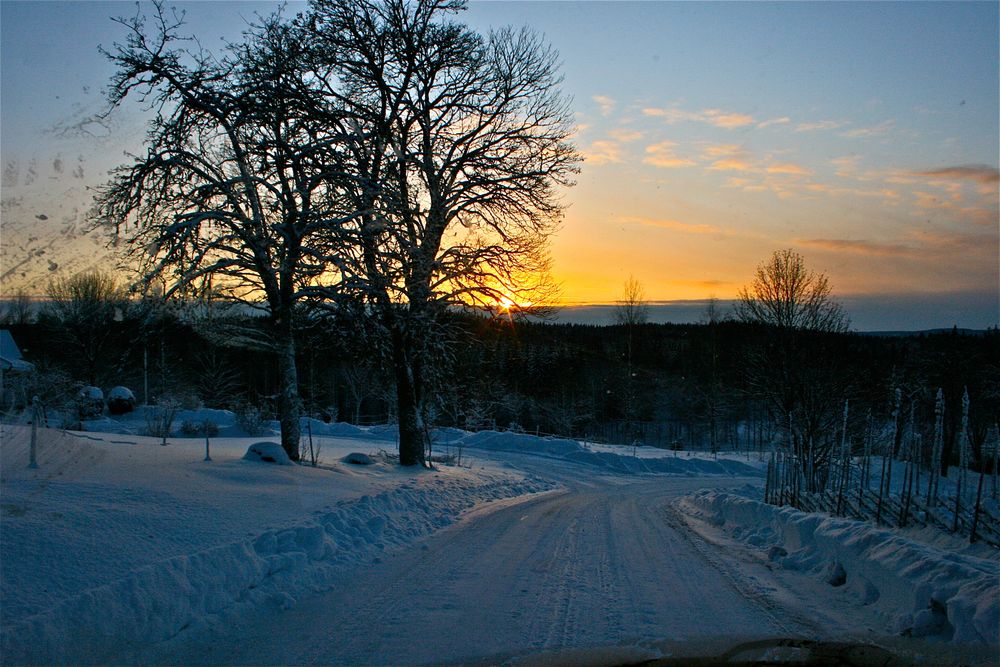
(506, 303)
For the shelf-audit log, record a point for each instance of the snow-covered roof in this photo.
(10, 354)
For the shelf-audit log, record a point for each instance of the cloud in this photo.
(980, 173)
(859, 247)
(662, 155)
(625, 136)
(605, 104)
(722, 150)
(879, 130)
(819, 125)
(672, 225)
(724, 119)
(847, 166)
(603, 152)
(788, 168)
(731, 164)
(783, 120)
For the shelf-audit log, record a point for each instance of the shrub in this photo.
(121, 400)
(250, 419)
(160, 417)
(206, 427)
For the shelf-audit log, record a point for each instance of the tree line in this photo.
(721, 384)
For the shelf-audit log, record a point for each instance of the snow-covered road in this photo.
(604, 563)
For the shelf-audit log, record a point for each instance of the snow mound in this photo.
(521, 442)
(359, 459)
(156, 602)
(571, 450)
(923, 590)
(268, 452)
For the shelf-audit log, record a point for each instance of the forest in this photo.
(721, 384)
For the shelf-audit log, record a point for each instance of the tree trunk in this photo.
(289, 405)
(412, 434)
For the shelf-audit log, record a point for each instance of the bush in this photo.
(160, 417)
(121, 400)
(89, 403)
(250, 419)
(207, 428)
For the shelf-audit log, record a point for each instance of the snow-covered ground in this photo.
(117, 548)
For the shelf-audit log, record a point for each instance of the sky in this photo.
(862, 135)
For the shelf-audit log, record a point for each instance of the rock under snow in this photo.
(268, 452)
(357, 458)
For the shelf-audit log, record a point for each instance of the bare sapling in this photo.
(979, 496)
(936, 450)
(963, 460)
(885, 486)
(907, 456)
(845, 463)
(866, 462)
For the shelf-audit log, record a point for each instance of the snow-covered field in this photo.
(117, 548)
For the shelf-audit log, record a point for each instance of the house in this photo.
(10, 358)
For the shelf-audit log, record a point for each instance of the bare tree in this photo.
(801, 382)
(233, 183)
(461, 143)
(84, 310)
(18, 310)
(632, 309)
(630, 312)
(786, 294)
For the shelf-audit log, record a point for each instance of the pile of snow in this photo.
(267, 452)
(924, 591)
(612, 459)
(118, 541)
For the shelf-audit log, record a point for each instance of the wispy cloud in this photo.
(980, 173)
(713, 151)
(717, 117)
(879, 130)
(662, 155)
(605, 104)
(820, 125)
(672, 225)
(625, 136)
(726, 120)
(847, 166)
(603, 152)
(788, 168)
(731, 164)
(859, 247)
(783, 120)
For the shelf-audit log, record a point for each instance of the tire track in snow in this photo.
(779, 616)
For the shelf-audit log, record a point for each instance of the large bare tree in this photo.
(461, 143)
(233, 185)
(786, 294)
(794, 371)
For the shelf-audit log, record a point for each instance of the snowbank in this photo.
(158, 601)
(622, 463)
(113, 543)
(924, 591)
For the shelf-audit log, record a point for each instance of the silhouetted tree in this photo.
(460, 142)
(233, 183)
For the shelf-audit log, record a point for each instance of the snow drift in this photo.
(158, 601)
(922, 590)
(571, 450)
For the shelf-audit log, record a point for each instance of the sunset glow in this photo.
(862, 135)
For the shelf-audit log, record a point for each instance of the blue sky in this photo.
(864, 135)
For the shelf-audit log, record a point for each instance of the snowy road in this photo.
(605, 563)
